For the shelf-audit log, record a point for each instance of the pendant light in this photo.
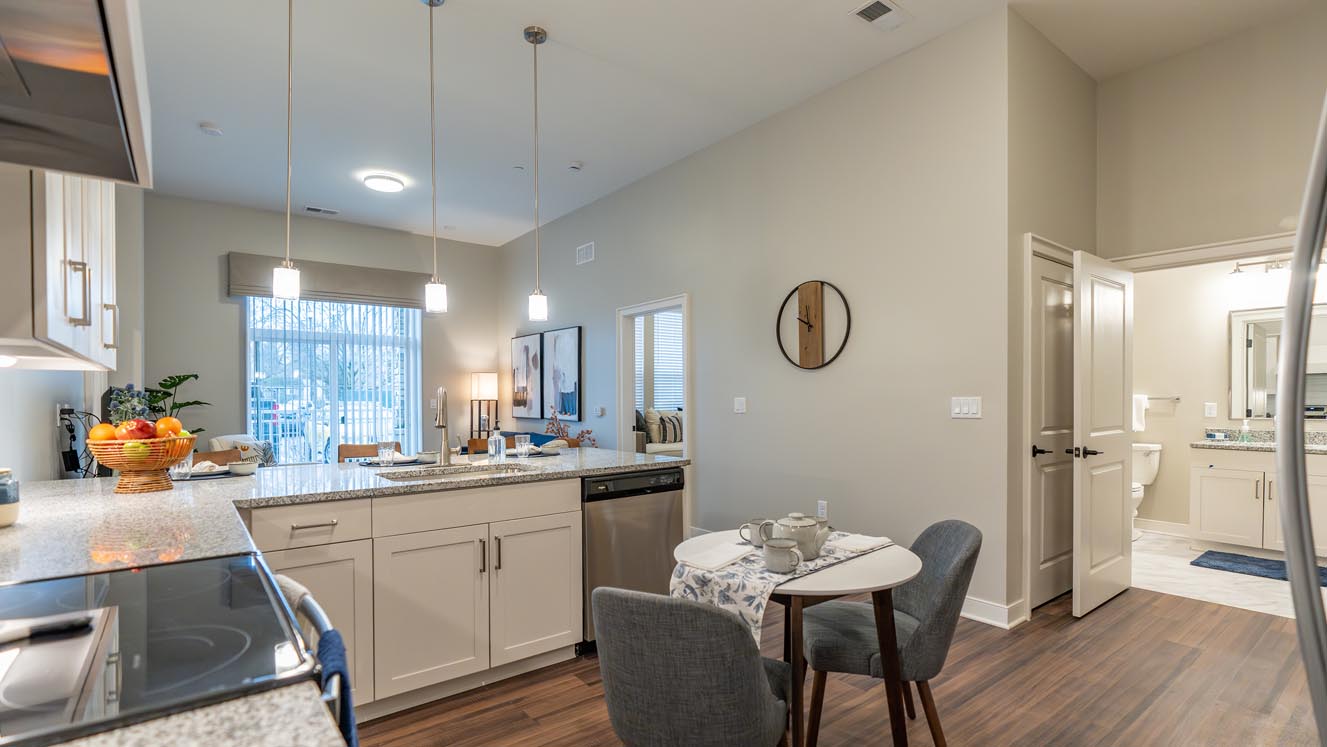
(435, 291)
(285, 278)
(538, 301)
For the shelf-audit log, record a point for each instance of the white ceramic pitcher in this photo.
(807, 531)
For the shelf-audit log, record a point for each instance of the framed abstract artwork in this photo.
(527, 376)
(562, 373)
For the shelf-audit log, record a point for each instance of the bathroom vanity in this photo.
(1234, 494)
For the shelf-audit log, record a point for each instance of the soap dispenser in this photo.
(1245, 435)
(497, 447)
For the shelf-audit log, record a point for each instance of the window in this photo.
(659, 361)
(322, 373)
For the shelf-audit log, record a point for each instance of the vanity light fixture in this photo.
(384, 183)
(435, 291)
(538, 301)
(285, 278)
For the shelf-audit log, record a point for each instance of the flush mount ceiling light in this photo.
(384, 183)
(210, 128)
(538, 301)
(285, 278)
(435, 291)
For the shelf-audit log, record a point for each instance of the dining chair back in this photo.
(219, 458)
(346, 452)
(679, 672)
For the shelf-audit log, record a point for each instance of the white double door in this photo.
(1080, 342)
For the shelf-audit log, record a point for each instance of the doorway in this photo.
(1077, 451)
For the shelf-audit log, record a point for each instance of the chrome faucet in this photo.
(440, 422)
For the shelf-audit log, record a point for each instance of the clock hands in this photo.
(809, 325)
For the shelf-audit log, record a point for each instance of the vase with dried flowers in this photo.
(558, 428)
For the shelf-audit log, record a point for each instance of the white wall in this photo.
(893, 186)
(192, 326)
(1052, 193)
(29, 442)
(1182, 348)
(1212, 144)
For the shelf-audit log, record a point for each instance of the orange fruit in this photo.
(168, 426)
(102, 432)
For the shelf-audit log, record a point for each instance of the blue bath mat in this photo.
(1248, 565)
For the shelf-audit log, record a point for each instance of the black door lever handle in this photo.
(1072, 452)
(1036, 451)
(1091, 452)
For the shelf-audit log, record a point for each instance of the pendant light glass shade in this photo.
(435, 297)
(538, 307)
(285, 282)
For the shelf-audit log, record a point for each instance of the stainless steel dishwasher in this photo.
(632, 524)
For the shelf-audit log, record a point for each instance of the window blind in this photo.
(322, 374)
(669, 363)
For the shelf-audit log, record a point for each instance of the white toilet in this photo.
(1146, 460)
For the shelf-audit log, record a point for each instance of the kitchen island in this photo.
(437, 535)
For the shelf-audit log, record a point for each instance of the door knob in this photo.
(1037, 451)
(1072, 452)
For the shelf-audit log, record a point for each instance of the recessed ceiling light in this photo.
(210, 128)
(384, 183)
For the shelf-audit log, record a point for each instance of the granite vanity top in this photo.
(74, 527)
(1209, 443)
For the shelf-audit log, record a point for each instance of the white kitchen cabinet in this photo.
(1272, 536)
(536, 586)
(57, 296)
(340, 577)
(431, 607)
(1226, 505)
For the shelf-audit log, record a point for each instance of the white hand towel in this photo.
(205, 466)
(1139, 413)
(714, 558)
(861, 542)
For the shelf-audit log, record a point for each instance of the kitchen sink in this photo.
(455, 472)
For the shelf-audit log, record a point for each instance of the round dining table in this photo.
(875, 572)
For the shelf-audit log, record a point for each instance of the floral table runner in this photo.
(744, 586)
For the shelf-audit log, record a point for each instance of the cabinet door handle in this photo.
(497, 565)
(1257, 490)
(1269, 490)
(483, 557)
(320, 525)
(114, 344)
(85, 318)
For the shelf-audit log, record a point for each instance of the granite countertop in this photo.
(74, 527)
(291, 715)
(1210, 443)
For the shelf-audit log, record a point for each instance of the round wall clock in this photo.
(813, 324)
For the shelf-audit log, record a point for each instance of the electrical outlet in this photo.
(601, 411)
(433, 404)
(822, 509)
(60, 407)
(1209, 409)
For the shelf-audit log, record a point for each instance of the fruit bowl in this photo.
(142, 463)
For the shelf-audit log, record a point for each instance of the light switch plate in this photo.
(822, 509)
(739, 405)
(433, 404)
(1209, 409)
(965, 408)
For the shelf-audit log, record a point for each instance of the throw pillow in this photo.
(670, 427)
(259, 451)
(652, 430)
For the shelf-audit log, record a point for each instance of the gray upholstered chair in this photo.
(841, 636)
(678, 672)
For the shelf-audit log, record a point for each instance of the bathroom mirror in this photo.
(1255, 337)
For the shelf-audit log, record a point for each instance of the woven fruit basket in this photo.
(142, 464)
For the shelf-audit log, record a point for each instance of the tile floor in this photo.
(1161, 563)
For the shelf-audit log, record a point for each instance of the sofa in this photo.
(652, 437)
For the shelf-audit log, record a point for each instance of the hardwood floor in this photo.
(1144, 669)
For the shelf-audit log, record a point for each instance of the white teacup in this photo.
(782, 555)
(756, 531)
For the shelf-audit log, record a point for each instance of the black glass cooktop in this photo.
(159, 640)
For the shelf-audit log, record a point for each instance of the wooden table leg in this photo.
(883, 601)
(798, 673)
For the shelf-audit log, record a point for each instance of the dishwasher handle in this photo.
(636, 483)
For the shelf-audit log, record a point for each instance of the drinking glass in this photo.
(181, 470)
(522, 445)
(385, 451)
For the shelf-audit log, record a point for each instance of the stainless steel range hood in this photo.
(72, 93)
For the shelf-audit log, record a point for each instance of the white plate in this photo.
(222, 471)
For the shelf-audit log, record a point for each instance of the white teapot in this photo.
(809, 533)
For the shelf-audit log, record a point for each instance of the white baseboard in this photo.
(1003, 616)
(1162, 527)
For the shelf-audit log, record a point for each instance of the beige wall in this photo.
(1182, 348)
(893, 186)
(1212, 144)
(193, 327)
(1052, 193)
